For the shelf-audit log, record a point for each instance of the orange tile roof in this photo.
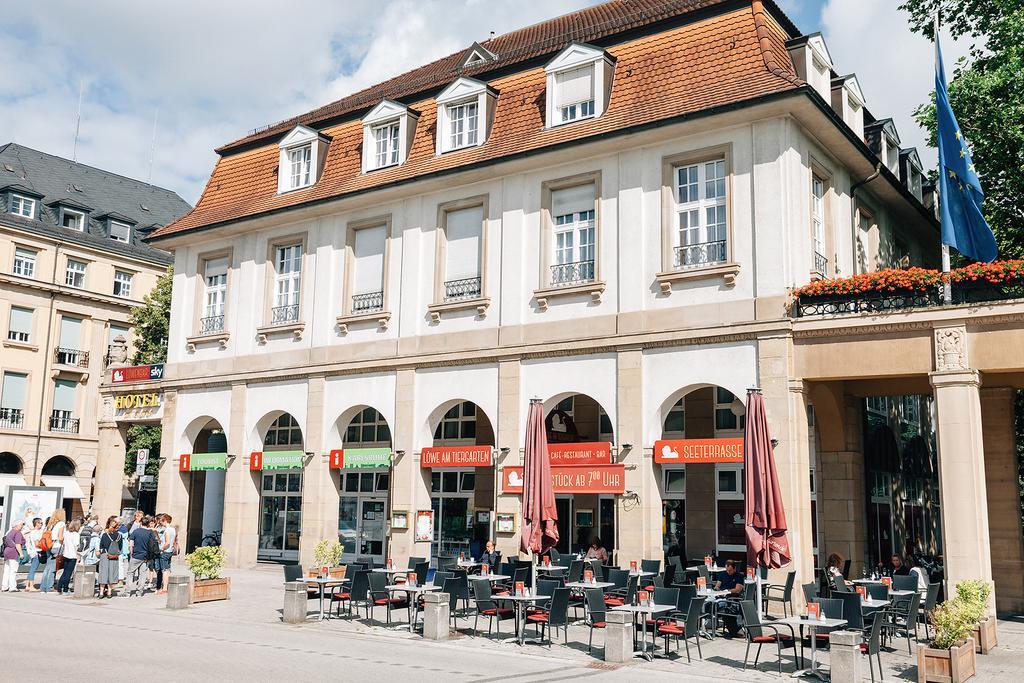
(712, 60)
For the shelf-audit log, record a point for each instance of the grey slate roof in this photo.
(102, 194)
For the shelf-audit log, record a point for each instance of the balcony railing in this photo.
(72, 357)
(701, 254)
(820, 264)
(284, 314)
(211, 324)
(465, 288)
(61, 421)
(367, 303)
(881, 302)
(571, 273)
(11, 418)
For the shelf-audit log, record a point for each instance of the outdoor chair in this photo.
(618, 579)
(703, 572)
(846, 569)
(557, 615)
(487, 607)
(358, 593)
(653, 566)
(810, 592)
(518, 574)
(462, 588)
(831, 608)
(366, 562)
(450, 586)
(852, 611)
(878, 591)
(413, 561)
(622, 597)
(902, 616)
(756, 634)
(654, 582)
(749, 592)
(575, 572)
(554, 555)
(440, 577)
(293, 572)
(446, 563)
(931, 597)
(668, 576)
(596, 612)
(544, 587)
(379, 597)
(904, 583)
(842, 587)
(872, 645)
(595, 566)
(689, 628)
(664, 596)
(777, 593)
(687, 592)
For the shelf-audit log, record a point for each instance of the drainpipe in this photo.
(853, 205)
(46, 365)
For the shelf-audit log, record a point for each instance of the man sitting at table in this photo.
(732, 581)
(489, 556)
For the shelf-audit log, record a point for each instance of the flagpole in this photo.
(947, 290)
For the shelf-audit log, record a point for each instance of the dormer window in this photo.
(387, 135)
(120, 231)
(579, 84)
(301, 160)
(464, 113)
(23, 206)
(75, 220)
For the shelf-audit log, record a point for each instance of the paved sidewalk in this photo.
(245, 638)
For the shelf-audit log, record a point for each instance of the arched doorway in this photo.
(576, 418)
(281, 490)
(702, 496)
(462, 487)
(59, 471)
(10, 474)
(364, 483)
(205, 482)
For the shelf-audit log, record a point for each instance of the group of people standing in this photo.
(135, 555)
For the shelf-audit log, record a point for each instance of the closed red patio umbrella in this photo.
(540, 517)
(765, 518)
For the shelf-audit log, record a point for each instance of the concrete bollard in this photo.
(845, 657)
(436, 615)
(295, 600)
(618, 637)
(179, 591)
(84, 582)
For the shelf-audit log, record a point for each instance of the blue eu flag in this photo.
(963, 225)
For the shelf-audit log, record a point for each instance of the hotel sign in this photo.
(142, 406)
(349, 458)
(456, 456)
(137, 373)
(201, 462)
(277, 460)
(572, 478)
(698, 450)
(594, 453)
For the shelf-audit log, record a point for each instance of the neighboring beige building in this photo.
(607, 212)
(72, 267)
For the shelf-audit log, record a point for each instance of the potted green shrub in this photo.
(974, 594)
(205, 563)
(327, 553)
(949, 657)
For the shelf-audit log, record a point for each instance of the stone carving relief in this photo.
(950, 348)
(118, 351)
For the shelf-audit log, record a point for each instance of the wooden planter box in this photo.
(954, 665)
(985, 636)
(205, 590)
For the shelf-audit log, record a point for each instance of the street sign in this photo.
(142, 457)
(147, 486)
(147, 479)
(140, 468)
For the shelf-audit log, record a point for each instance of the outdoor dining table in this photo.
(412, 592)
(550, 567)
(392, 570)
(711, 596)
(644, 610)
(322, 582)
(493, 578)
(584, 584)
(713, 568)
(519, 603)
(868, 603)
(813, 625)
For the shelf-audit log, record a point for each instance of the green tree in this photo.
(151, 322)
(987, 95)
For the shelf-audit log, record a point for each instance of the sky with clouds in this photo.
(208, 72)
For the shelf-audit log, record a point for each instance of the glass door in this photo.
(563, 505)
(280, 516)
(371, 529)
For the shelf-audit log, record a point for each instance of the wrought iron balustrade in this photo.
(284, 314)
(211, 324)
(61, 421)
(571, 273)
(464, 288)
(701, 254)
(73, 357)
(11, 418)
(368, 302)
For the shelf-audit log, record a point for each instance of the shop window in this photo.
(458, 423)
(675, 481)
(725, 418)
(730, 508)
(369, 426)
(675, 421)
(285, 431)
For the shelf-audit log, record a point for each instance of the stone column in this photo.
(406, 480)
(172, 494)
(436, 615)
(845, 657)
(638, 528)
(1001, 484)
(962, 486)
(618, 637)
(109, 482)
(319, 493)
(510, 406)
(240, 537)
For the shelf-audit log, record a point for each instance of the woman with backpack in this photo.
(70, 551)
(51, 547)
(110, 557)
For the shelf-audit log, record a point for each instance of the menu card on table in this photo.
(887, 581)
(390, 564)
(862, 591)
(750, 574)
(702, 583)
(520, 588)
(412, 578)
(588, 576)
(547, 561)
(324, 571)
(814, 611)
(644, 597)
(483, 570)
(707, 560)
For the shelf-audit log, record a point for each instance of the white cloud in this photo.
(896, 68)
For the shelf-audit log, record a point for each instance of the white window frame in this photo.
(300, 166)
(728, 495)
(122, 288)
(287, 274)
(23, 206)
(127, 230)
(666, 493)
(574, 240)
(24, 262)
(398, 125)
(358, 422)
(74, 273)
(79, 219)
(678, 407)
(300, 161)
(24, 337)
(387, 144)
(567, 112)
(704, 234)
(460, 419)
(453, 104)
(578, 57)
(215, 295)
(463, 124)
(719, 405)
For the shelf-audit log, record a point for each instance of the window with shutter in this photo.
(20, 327)
(573, 251)
(574, 93)
(368, 269)
(15, 389)
(463, 229)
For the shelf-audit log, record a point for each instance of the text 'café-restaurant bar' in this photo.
(611, 212)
